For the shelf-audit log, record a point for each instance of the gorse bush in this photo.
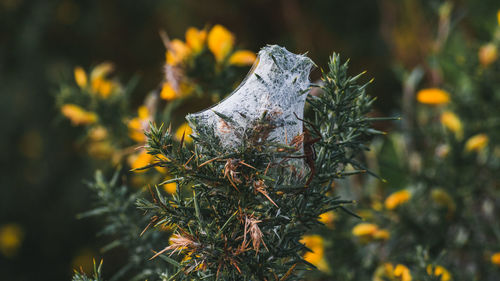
(262, 184)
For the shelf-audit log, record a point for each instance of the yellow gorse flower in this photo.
(137, 125)
(396, 199)
(101, 85)
(196, 39)
(495, 258)
(220, 42)
(477, 142)
(369, 231)
(170, 188)
(388, 271)
(487, 54)
(177, 52)
(78, 115)
(328, 218)
(11, 238)
(242, 58)
(80, 77)
(140, 160)
(186, 130)
(316, 257)
(439, 271)
(433, 96)
(452, 123)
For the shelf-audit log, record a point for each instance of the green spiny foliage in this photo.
(240, 215)
(80, 276)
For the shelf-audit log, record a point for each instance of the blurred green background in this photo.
(42, 171)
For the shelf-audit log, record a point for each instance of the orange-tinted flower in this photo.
(137, 125)
(100, 84)
(382, 234)
(195, 39)
(140, 160)
(80, 77)
(77, 115)
(177, 52)
(439, 271)
(242, 58)
(488, 54)
(168, 92)
(396, 199)
(328, 218)
(477, 142)
(186, 130)
(220, 42)
(316, 257)
(495, 258)
(364, 229)
(433, 96)
(402, 273)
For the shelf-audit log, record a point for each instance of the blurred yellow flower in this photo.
(137, 125)
(364, 229)
(477, 142)
(382, 234)
(316, 257)
(98, 133)
(195, 39)
(433, 96)
(177, 52)
(170, 188)
(78, 115)
(168, 92)
(488, 54)
(80, 77)
(242, 58)
(397, 198)
(186, 130)
(100, 149)
(11, 238)
(99, 83)
(220, 42)
(402, 273)
(439, 271)
(328, 218)
(140, 160)
(452, 123)
(387, 271)
(495, 258)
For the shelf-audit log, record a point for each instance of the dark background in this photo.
(42, 170)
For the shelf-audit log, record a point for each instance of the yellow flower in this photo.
(433, 96)
(170, 188)
(168, 92)
(387, 271)
(195, 39)
(452, 123)
(488, 54)
(441, 272)
(382, 234)
(98, 133)
(495, 258)
(402, 273)
(80, 77)
(99, 83)
(137, 125)
(396, 199)
(316, 257)
(220, 42)
(328, 218)
(364, 229)
(186, 130)
(477, 142)
(11, 238)
(100, 149)
(140, 160)
(242, 58)
(177, 52)
(78, 115)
